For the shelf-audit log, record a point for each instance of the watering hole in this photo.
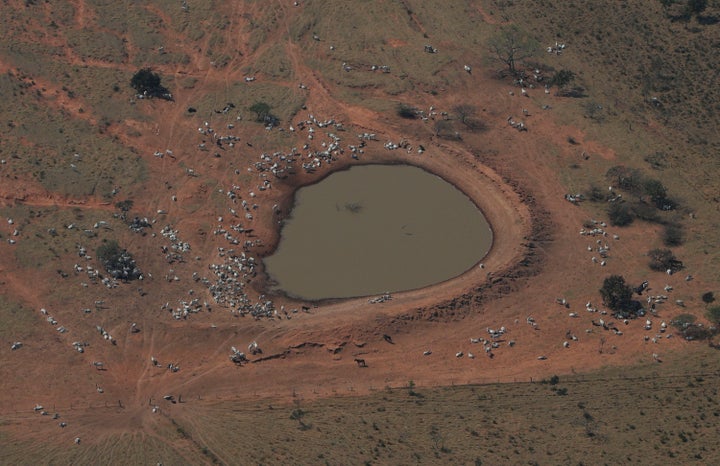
(376, 228)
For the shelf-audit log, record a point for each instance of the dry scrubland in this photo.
(75, 142)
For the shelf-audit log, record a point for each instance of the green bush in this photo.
(148, 84)
(620, 214)
(616, 294)
(596, 194)
(263, 114)
(664, 259)
(656, 190)
(628, 179)
(117, 261)
(562, 78)
(708, 297)
(713, 314)
(672, 234)
(261, 110)
(683, 321)
(644, 211)
(406, 111)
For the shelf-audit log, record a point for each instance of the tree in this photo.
(616, 294)
(125, 205)
(672, 234)
(562, 78)
(262, 113)
(629, 179)
(664, 259)
(444, 129)
(511, 46)
(148, 84)
(620, 214)
(657, 193)
(117, 261)
(708, 297)
(407, 111)
(466, 115)
(683, 321)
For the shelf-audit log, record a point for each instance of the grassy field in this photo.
(641, 414)
(644, 414)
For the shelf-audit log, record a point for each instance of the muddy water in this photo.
(376, 228)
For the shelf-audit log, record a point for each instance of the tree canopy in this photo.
(664, 259)
(117, 261)
(263, 114)
(616, 294)
(562, 78)
(148, 84)
(511, 46)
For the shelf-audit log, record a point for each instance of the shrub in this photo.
(467, 115)
(444, 129)
(620, 214)
(406, 111)
(117, 261)
(262, 113)
(708, 297)
(698, 332)
(656, 190)
(148, 84)
(511, 45)
(562, 78)
(576, 92)
(664, 259)
(596, 194)
(628, 179)
(616, 294)
(683, 321)
(713, 314)
(125, 205)
(672, 235)
(644, 211)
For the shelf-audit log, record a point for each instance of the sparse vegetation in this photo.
(713, 314)
(653, 78)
